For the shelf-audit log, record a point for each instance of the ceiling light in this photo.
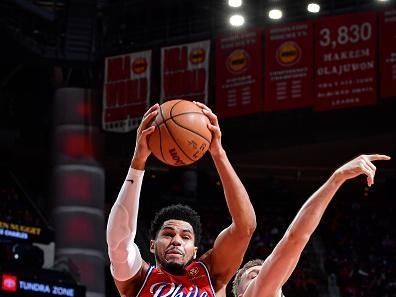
(235, 3)
(237, 20)
(313, 7)
(275, 14)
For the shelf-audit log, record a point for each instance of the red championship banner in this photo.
(185, 71)
(388, 53)
(126, 90)
(288, 66)
(345, 61)
(238, 74)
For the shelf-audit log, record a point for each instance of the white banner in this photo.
(126, 91)
(185, 71)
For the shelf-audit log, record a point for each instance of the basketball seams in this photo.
(174, 140)
(172, 117)
(188, 129)
(180, 114)
(171, 135)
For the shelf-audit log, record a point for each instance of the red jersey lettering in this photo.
(194, 283)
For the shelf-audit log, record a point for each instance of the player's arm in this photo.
(126, 262)
(230, 246)
(278, 267)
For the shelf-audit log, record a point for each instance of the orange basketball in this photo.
(181, 134)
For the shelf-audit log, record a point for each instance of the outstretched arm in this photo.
(231, 244)
(278, 267)
(124, 255)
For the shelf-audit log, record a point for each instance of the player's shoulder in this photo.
(206, 259)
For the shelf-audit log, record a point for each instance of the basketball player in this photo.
(175, 232)
(259, 278)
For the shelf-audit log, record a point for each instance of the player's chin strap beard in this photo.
(175, 268)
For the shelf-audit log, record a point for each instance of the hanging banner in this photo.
(288, 66)
(126, 91)
(388, 53)
(238, 74)
(185, 71)
(345, 61)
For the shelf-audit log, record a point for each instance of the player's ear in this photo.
(152, 246)
(195, 253)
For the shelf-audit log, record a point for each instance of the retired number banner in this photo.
(388, 53)
(288, 66)
(238, 74)
(185, 71)
(126, 91)
(345, 61)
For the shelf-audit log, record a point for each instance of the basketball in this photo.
(181, 134)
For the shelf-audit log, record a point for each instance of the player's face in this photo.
(174, 245)
(247, 277)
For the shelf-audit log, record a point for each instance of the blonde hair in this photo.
(238, 276)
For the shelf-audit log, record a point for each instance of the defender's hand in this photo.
(360, 165)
